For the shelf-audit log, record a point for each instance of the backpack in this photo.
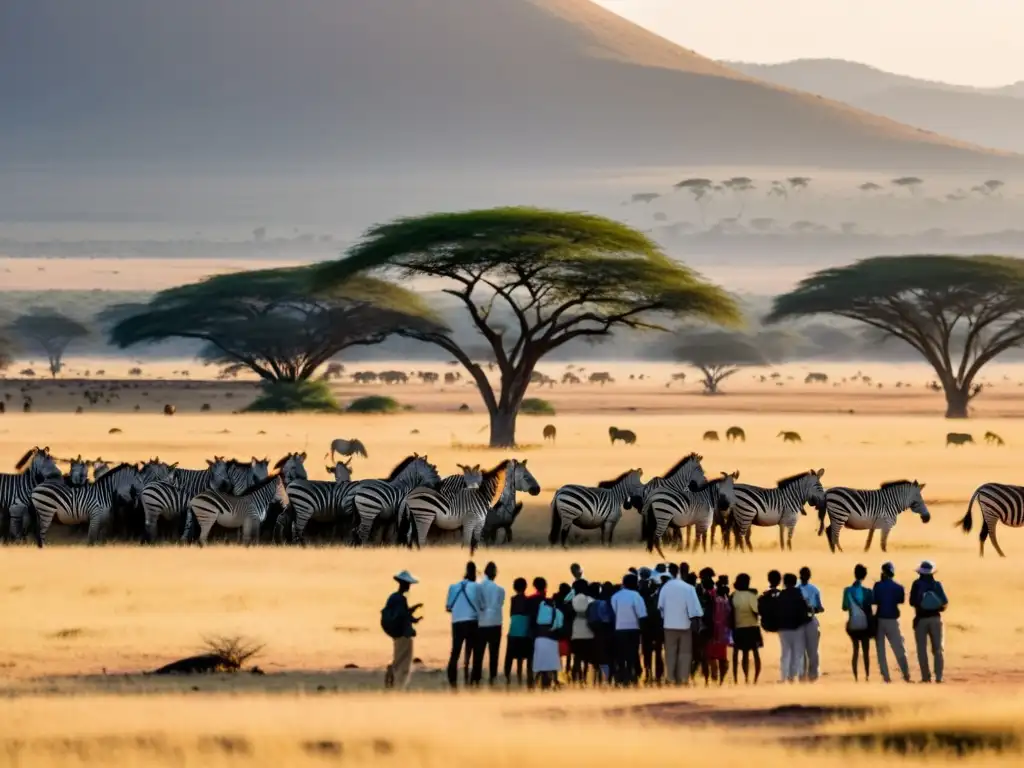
(391, 620)
(858, 621)
(930, 601)
(768, 610)
(549, 619)
(599, 616)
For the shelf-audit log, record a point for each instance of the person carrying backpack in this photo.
(928, 600)
(601, 621)
(860, 624)
(767, 605)
(397, 619)
(463, 603)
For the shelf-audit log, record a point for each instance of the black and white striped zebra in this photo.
(247, 511)
(169, 499)
(322, 501)
(292, 466)
(466, 509)
(870, 510)
(589, 508)
(378, 501)
(35, 467)
(503, 514)
(244, 475)
(684, 473)
(467, 477)
(695, 507)
(780, 506)
(92, 503)
(999, 503)
(78, 473)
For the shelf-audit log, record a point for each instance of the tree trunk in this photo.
(503, 427)
(956, 402)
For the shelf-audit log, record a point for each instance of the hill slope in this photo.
(369, 83)
(989, 116)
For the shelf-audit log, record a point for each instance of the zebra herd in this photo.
(142, 501)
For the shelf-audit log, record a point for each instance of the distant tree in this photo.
(702, 191)
(49, 331)
(910, 183)
(990, 188)
(259, 234)
(719, 354)
(740, 186)
(272, 322)
(645, 197)
(958, 312)
(778, 189)
(799, 182)
(531, 281)
(6, 352)
(762, 224)
(869, 186)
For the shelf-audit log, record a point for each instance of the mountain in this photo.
(331, 85)
(991, 117)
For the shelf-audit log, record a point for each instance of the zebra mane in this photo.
(891, 483)
(402, 465)
(280, 462)
(25, 459)
(615, 481)
(115, 470)
(708, 484)
(493, 482)
(261, 484)
(679, 464)
(793, 478)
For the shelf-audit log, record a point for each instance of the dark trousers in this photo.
(463, 632)
(627, 656)
(654, 661)
(520, 651)
(487, 639)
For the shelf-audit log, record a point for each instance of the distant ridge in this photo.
(338, 84)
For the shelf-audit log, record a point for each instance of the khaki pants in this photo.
(812, 638)
(889, 629)
(792, 662)
(678, 655)
(926, 630)
(400, 669)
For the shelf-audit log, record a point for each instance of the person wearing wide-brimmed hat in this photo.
(397, 621)
(928, 600)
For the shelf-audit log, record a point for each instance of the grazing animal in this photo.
(868, 510)
(790, 437)
(993, 439)
(695, 506)
(733, 434)
(318, 500)
(247, 511)
(998, 503)
(379, 500)
(170, 410)
(93, 503)
(590, 508)
(625, 435)
(816, 378)
(35, 467)
(292, 467)
(958, 438)
(347, 448)
(3, 407)
(684, 473)
(711, 436)
(504, 513)
(169, 499)
(781, 505)
(600, 377)
(466, 509)
(550, 433)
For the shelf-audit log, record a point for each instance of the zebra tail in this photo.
(556, 523)
(821, 517)
(967, 521)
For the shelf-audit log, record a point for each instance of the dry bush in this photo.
(235, 649)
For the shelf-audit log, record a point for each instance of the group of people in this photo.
(661, 625)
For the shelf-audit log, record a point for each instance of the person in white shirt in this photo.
(630, 612)
(463, 604)
(679, 606)
(492, 604)
(582, 635)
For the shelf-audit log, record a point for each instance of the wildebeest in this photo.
(347, 448)
(625, 435)
(816, 378)
(169, 410)
(600, 377)
(711, 436)
(735, 433)
(790, 437)
(550, 432)
(990, 437)
(958, 438)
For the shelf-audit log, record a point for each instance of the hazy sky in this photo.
(970, 42)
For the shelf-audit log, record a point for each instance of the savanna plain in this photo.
(81, 625)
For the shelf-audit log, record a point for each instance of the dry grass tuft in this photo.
(237, 650)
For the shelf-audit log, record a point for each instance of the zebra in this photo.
(503, 514)
(379, 500)
(466, 509)
(319, 500)
(78, 474)
(590, 508)
(695, 506)
(247, 511)
(469, 477)
(73, 505)
(999, 503)
(244, 475)
(781, 506)
(680, 476)
(292, 467)
(870, 509)
(35, 467)
(169, 499)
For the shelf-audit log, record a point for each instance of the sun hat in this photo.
(407, 577)
(926, 568)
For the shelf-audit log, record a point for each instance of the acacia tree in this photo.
(273, 322)
(958, 312)
(50, 331)
(718, 354)
(531, 281)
